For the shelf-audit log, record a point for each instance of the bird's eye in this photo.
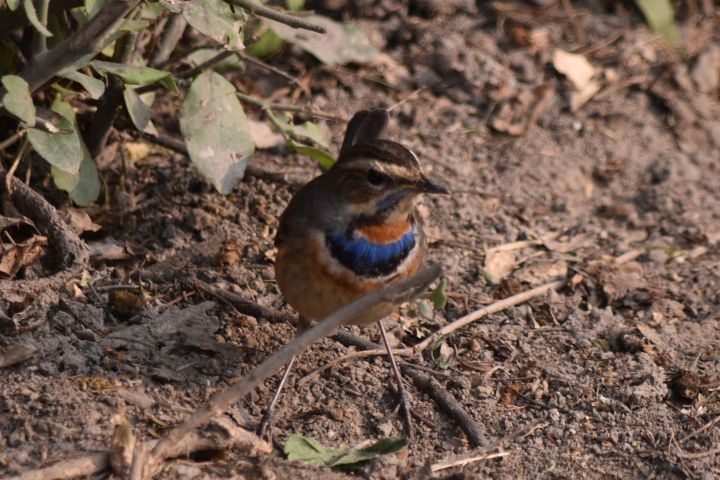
(375, 178)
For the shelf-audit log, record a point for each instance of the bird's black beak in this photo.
(425, 185)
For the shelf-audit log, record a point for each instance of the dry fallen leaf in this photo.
(575, 67)
(580, 72)
(80, 221)
(15, 257)
(499, 264)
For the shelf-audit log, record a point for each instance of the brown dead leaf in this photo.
(542, 271)
(107, 249)
(580, 72)
(15, 257)
(619, 280)
(499, 264)
(80, 221)
(230, 253)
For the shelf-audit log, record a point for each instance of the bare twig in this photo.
(461, 462)
(69, 248)
(16, 163)
(406, 99)
(482, 312)
(223, 434)
(708, 425)
(284, 107)
(282, 17)
(444, 399)
(244, 305)
(109, 104)
(275, 70)
(177, 145)
(77, 467)
(210, 62)
(697, 455)
(87, 40)
(11, 140)
(506, 247)
(395, 294)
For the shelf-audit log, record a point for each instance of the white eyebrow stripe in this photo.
(389, 169)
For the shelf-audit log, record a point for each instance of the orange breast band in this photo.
(385, 232)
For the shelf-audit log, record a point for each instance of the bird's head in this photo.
(378, 178)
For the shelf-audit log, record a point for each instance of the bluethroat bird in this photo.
(350, 231)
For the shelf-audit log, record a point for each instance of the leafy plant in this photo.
(88, 53)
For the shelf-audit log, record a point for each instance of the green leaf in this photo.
(18, 100)
(216, 131)
(341, 44)
(324, 159)
(385, 446)
(660, 15)
(267, 44)
(92, 7)
(294, 5)
(135, 75)
(218, 20)
(308, 450)
(13, 4)
(84, 186)
(94, 86)
(438, 296)
(34, 20)
(202, 55)
(138, 106)
(62, 150)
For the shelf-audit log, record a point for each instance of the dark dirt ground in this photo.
(613, 376)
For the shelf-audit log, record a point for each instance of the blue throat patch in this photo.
(369, 259)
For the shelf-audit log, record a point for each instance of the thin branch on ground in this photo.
(507, 247)
(483, 453)
(177, 145)
(406, 99)
(243, 305)
(697, 455)
(69, 248)
(707, 426)
(275, 70)
(467, 460)
(284, 107)
(451, 327)
(223, 434)
(444, 399)
(282, 17)
(396, 294)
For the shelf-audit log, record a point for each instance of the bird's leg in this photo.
(404, 398)
(267, 417)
